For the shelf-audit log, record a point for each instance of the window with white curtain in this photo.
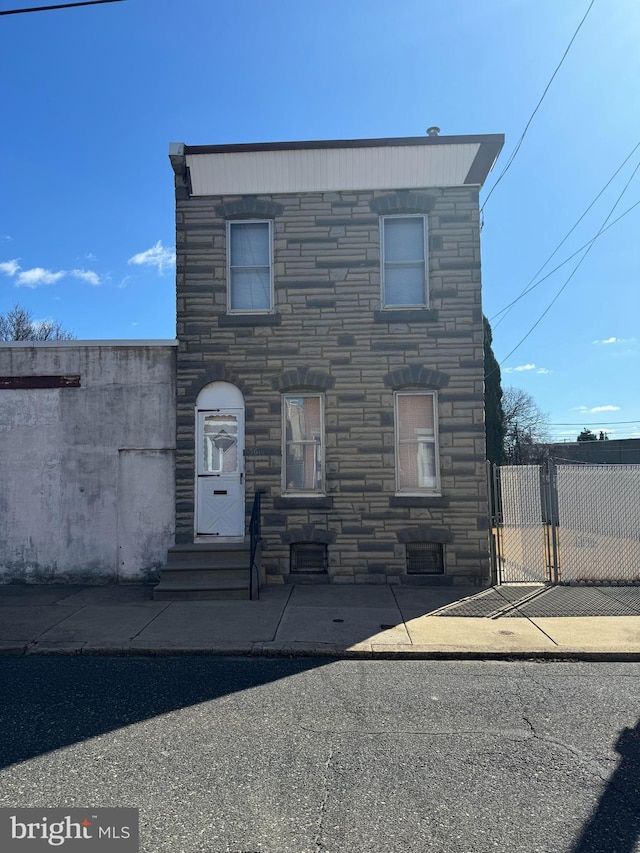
(404, 261)
(416, 442)
(303, 439)
(249, 265)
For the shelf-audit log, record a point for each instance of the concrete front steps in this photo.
(205, 571)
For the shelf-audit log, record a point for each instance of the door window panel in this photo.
(220, 444)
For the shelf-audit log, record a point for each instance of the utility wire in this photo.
(572, 273)
(529, 287)
(58, 6)
(566, 261)
(593, 423)
(524, 132)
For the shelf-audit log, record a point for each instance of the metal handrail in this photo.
(254, 539)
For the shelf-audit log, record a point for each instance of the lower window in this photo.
(303, 438)
(425, 558)
(416, 442)
(308, 557)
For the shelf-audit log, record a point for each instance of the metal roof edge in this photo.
(495, 139)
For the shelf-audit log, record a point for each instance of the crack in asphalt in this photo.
(587, 761)
(323, 803)
(509, 733)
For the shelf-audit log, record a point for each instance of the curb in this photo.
(318, 650)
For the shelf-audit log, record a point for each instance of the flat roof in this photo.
(326, 165)
(152, 342)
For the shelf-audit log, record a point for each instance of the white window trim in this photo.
(425, 225)
(436, 490)
(299, 493)
(230, 224)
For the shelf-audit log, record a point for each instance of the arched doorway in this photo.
(220, 461)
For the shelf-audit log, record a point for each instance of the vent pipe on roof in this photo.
(433, 131)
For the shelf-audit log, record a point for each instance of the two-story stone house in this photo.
(331, 354)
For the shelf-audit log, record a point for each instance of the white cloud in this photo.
(580, 409)
(543, 370)
(125, 281)
(604, 409)
(89, 276)
(614, 340)
(519, 368)
(6, 237)
(37, 276)
(9, 267)
(157, 256)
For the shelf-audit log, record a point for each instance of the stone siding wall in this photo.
(328, 333)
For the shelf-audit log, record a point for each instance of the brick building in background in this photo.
(330, 334)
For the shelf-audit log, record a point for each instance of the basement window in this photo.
(425, 558)
(308, 557)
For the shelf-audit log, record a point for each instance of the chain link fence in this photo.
(599, 514)
(566, 523)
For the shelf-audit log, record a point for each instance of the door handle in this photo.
(241, 478)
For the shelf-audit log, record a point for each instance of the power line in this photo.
(566, 261)
(529, 287)
(524, 132)
(594, 423)
(575, 269)
(58, 6)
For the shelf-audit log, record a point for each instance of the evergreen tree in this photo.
(494, 416)
(587, 435)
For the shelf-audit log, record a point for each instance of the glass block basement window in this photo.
(425, 558)
(308, 557)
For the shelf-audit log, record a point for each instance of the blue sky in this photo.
(91, 98)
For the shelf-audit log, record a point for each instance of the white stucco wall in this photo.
(87, 474)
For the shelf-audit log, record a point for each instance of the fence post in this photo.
(492, 546)
(552, 492)
(494, 522)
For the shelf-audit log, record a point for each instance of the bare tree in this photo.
(18, 325)
(525, 425)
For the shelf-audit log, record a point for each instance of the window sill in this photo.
(433, 500)
(258, 319)
(303, 502)
(406, 315)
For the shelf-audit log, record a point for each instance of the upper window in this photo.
(303, 439)
(249, 266)
(416, 442)
(404, 261)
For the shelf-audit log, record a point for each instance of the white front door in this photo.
(220, 472)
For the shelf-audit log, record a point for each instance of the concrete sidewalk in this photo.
(340, 621)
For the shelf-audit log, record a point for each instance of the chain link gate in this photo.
(565, 524)
(523, 532)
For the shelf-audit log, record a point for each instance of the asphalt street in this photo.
(235, 755)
